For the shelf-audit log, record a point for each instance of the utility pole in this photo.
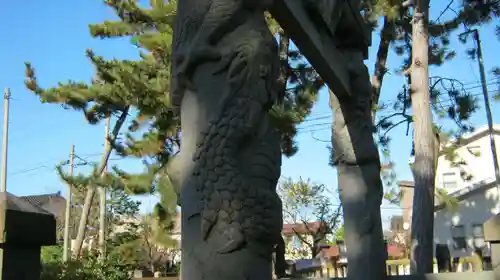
(68, 207)
(496, 166)
(3, 186)
(102, 198)
(5, 139)
(422, 233)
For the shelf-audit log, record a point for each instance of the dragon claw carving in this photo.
(238, 200)
(235, 242)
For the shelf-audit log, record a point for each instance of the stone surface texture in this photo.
(358, 165)
(26, 228)
(303, 22)
(225, 79)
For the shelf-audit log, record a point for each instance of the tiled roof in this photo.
(406, 183)
(395, 250)
(19, 204)
(52, 203)
(41, 199)
(300, 227)
(331, 251)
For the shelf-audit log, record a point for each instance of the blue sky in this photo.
(53, 36)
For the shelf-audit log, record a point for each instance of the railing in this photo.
(394, 267)
(397, 267)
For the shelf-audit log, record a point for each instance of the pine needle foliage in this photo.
(449, 99)
(122, 87)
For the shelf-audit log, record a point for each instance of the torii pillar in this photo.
(335, 40)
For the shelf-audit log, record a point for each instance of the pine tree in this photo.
(77, 202)
(462, 106)
(122, 87)
(301, 85)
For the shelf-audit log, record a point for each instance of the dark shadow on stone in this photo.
(356, 158)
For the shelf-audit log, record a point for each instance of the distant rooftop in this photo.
(20, 204)
(42, 199)
(475, 135)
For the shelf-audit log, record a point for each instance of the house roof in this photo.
(300, 227)
(43, 200)
(470, 190)
(473, 136)
(460, 194)
(395, 250)
(332, 252)
(19, 204)
(405, 183)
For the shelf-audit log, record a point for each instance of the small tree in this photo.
(305, 202)
(146, 242)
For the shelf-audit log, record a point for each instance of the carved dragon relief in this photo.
(237, 194)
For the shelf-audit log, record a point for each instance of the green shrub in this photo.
(88, 268)
(52, 254)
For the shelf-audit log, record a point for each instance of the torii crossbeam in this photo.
(316, 29)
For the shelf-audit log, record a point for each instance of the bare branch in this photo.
(302, 239)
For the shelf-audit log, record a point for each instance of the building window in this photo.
(478, 235)
(449, 180)
(458, 235)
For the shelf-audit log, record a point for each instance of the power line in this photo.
(66, 163)
(324, 126)
(466, 87)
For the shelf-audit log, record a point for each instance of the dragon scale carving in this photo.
(238, 193)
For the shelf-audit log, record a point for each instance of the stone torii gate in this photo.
(225, 78)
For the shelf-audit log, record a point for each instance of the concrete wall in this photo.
(480, 166)
(407, 202)
(473, 210)
(479, 203)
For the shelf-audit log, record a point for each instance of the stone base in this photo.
(21, 263)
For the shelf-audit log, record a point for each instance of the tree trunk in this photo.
(283, 54)
(82, 226)
(102, 199)
(89, 196)
(281, 265)
(424, 141)
(231, 156)
(356, 157)
(381, 62)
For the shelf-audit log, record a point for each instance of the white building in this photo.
(478, 195)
